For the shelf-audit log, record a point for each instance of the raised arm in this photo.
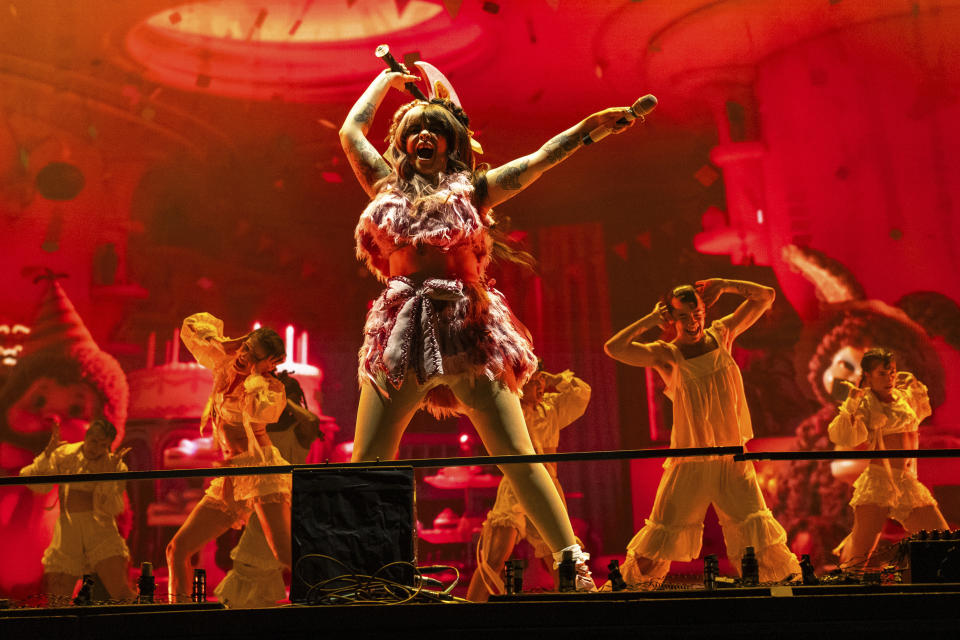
(850, 427)
(915, 393)
(509, 179)
(623, 348)
(45, 463)
(202, 334)
(367, 163)
(758, 299)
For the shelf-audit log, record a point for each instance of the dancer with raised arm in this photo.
(884, 412)
(85, 537)
(440, 336)
(709, 410)
(246, 397)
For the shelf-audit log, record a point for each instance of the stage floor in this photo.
(783, 612)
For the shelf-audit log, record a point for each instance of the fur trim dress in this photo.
(438, 326)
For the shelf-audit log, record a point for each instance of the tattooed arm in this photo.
(367, 163)
(508, 180)
(758, 299)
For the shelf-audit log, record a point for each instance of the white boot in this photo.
(584, 580)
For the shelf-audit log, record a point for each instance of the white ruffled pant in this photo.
(256, 579)
(81, 541)
(674, 530)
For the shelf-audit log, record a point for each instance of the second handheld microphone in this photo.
(639, 109)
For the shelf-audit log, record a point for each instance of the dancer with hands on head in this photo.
(884, 412)
(709, 410)
(440, 336)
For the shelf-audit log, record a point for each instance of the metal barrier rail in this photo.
(848, 455)
(425, 463)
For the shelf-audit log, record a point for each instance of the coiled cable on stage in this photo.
(352, 587)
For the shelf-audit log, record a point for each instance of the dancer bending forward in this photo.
(546, 414)
(709, 410)
(884, 412)
(440, 336)
(246, 397)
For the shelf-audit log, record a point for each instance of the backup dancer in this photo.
(440, 336)
(709, 410)
(246, 397)
(85, 537)
(884, 412)
(546, 413)
(256, 578)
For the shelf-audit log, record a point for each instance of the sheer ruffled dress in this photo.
(710, 410)
(240, 407)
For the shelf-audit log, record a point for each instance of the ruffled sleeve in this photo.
(202, 333)
(569, 402)
(849, 427)
(264, 400)
(44, 464)
(915, 393)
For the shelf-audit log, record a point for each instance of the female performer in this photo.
(884, 412)
(440, 336)
(246, 397)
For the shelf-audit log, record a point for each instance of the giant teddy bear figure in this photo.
(62, 376)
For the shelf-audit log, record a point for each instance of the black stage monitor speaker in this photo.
(934, 560)
(360, 519)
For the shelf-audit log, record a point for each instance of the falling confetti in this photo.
(706, 175)
(452, 7)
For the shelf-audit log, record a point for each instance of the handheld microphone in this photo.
(383, 52)
(638, 109)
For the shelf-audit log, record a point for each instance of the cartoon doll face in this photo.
(844, 366)
(30, 417)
